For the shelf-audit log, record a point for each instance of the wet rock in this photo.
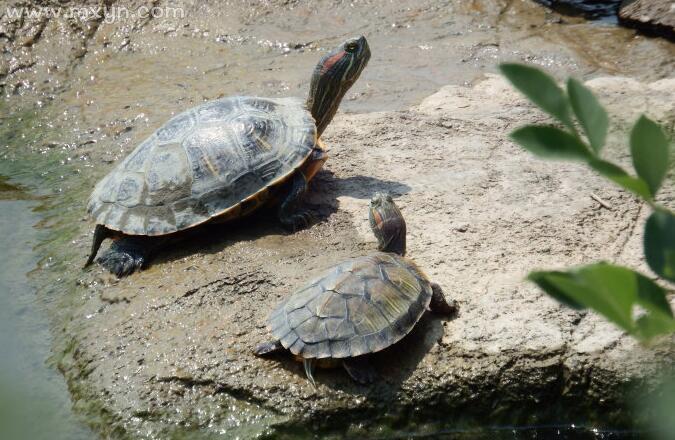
(59, 46)
(45, 34)
(653, 16)
(170, 347)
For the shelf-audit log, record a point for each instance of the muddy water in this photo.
(134, 76)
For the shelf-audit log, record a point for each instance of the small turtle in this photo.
(219, 161)
(360, 306)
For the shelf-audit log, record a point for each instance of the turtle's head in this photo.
(333, 76)
(387, 224)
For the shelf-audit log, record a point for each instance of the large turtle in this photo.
(219, 161)
(360, 306)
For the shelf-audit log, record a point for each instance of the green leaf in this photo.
(649, 148)
(622, 178)
(659, 243)
(612, 291)
(547, 281)
(650, 326)
(550, 143)
(589, 112)
(539, 88)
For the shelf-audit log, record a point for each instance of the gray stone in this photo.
(654, 16)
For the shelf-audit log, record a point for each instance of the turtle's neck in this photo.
(325, 94)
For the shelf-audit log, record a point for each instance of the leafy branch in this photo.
(613, 291)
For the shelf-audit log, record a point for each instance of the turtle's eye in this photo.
(351, 46)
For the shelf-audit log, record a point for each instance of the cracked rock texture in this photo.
(170, 348)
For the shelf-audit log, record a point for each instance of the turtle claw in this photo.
(299, 220)
(121, 263)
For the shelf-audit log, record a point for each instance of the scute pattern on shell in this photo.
(202, 163)
(360, 306)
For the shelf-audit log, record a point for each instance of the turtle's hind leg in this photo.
(360, 370)
(128, 254)
(100, 234)
(269, 347)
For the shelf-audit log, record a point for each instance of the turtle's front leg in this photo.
(129, 254)
(438, 302)
(290, 213)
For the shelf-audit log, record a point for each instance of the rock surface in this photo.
(169, 349)
(654, 16)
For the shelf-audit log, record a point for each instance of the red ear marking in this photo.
(378, 219)
(332, 60)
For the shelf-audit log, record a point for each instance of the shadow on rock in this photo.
(358, 187)
(213, 238)
(322, 200)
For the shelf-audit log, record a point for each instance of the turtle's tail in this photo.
(100, 234)
(309, 364)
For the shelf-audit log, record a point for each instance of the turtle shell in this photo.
(360, 306)
(203, 163)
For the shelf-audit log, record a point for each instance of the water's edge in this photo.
(34, 399)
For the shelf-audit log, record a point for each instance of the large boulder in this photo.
(169, 349)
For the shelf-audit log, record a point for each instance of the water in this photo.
(549, 432)
(546, 432)
(605, 10)
(34, 401)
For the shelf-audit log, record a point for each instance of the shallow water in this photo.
(605, 10)
(34, 400)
